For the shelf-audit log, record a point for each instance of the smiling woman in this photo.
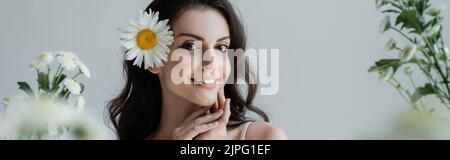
(152, 106)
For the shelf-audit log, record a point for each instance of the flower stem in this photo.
(75, 76)
(403, 34)
(415, 87)
(405, 98)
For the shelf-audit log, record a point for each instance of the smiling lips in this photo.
(206, 83)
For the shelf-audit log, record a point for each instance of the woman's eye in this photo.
(223, 48)
(189, 46)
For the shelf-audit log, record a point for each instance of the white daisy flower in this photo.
(67, 60)
(72, 86)
(408, 53)
(84, 69)
(147, 39)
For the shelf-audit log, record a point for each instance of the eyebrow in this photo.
(197, 37)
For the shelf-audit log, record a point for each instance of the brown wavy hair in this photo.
(135, 113)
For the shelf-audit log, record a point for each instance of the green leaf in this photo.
(385, 64)
(56, 82)
(426, 90)
(62, 94)
(43, 81)
(26, 88)
(411, 19)
(82, 87)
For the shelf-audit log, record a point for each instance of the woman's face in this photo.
(206, 31)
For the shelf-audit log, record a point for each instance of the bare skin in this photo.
(195, 112)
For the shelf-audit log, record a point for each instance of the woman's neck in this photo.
(175, 110)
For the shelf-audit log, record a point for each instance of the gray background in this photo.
(325, 47)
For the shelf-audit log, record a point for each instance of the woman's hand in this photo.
(197, 123)
(218, 132)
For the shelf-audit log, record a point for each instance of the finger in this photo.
(227, 113)
(208, 118)
(191, 133)
(196, 114)
(221, 97)
(215, 106)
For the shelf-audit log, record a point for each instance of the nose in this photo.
(210, 59)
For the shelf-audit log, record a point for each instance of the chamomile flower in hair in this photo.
(147, 40)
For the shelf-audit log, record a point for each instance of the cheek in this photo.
(226, 68)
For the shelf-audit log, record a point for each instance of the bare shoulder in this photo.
(265, 131)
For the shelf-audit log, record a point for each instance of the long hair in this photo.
(136, 112)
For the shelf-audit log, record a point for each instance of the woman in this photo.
(151, 106)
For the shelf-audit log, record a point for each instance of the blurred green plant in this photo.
(420, 24)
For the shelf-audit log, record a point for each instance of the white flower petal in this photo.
(130, 44)
(147, 60)
(158, 28)
(139, 58)
(154, 20)
(128, 36)
(132, 54)
(84, 70)
(133, 23)
(72, 86)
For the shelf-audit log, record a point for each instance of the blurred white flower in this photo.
(6, 101)
(408, 71)
(45, 58)
(436, 11)
(84, 69)
(49, 120)
(52, 129)
(67, 60)
(408, 53)
(80, 104)
(72, 86)
(386, 74)
(42, 61)
(421, 45)
(385, 24)
(431, 32)
(400, 87)
(446, 51)
(381, 3)
(390, 45)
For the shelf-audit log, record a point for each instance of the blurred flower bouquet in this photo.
(47, 113)
(419, 23)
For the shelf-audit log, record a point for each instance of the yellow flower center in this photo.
(146, 39)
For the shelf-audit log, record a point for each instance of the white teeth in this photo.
(205, 81)
(209, 81)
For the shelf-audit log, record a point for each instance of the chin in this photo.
(205, 98)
